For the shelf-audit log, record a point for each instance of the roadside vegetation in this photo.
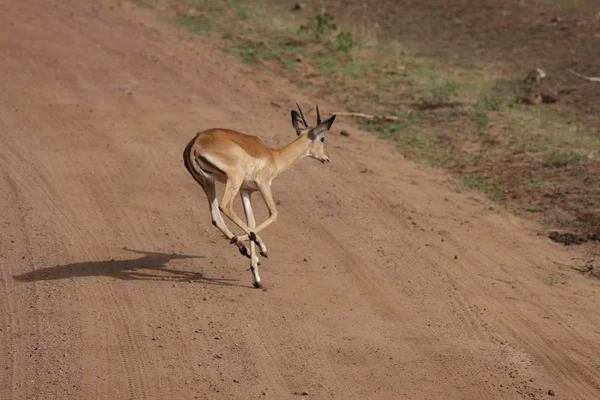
(462, 115)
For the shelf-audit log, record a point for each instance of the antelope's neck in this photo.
(287, 155)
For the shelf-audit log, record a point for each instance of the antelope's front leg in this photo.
(231, 189)
(265, 191)
(254, 261)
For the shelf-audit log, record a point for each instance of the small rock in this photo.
(535, 75)
(299, 59)
(456, 257)
(298, 5)
(345, 133)
(193, 13)
(305, 260)
(550, 392)
(549, 96)
(533, 98)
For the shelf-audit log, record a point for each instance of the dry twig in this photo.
(587, 78)
(367, 116)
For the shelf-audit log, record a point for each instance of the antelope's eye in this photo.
(323, 139)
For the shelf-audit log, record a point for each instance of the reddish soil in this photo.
(379, 285)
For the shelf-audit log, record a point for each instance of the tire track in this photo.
(268, 358)
(11, 321)
(37, 186)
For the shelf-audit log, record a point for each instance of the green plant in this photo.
(247, 52)
(320, 26)
(559, 159)
(565, 223)
(491, 102)
(534, 209)
(201, 26)
(142, 4)
(344, 42)
(479, 182)
(501, 94)
(440, 93)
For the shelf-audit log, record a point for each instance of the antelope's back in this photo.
(229, 144)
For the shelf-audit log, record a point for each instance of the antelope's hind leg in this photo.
(215, 213)
(254, 261)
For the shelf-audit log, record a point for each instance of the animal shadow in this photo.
(150, 266)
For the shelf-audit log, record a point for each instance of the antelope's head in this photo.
(315, 136)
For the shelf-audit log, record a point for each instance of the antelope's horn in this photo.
(318, 115)
(306, 123)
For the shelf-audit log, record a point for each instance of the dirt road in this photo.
(392, 283)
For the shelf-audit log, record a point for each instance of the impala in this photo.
(246, 165)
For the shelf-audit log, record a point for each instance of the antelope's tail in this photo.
(191, 165)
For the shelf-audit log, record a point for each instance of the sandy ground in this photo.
(388, 284)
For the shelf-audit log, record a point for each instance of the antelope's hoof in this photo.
(257, 285)
(253, 237)
(234, 240)
(244, 251)
(264, 254)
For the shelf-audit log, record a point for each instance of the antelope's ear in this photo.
(297, 122)
(321, 128)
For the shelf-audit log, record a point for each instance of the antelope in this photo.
(246, 165)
